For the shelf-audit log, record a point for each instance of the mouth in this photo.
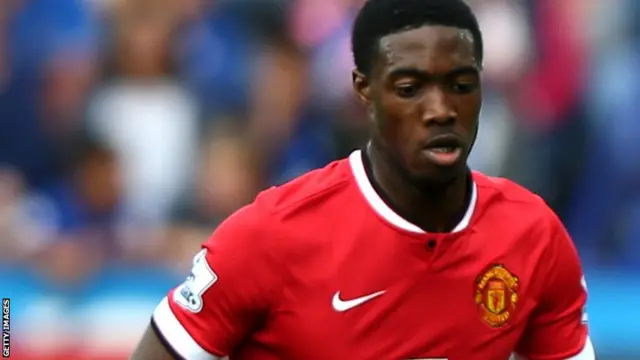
(444, 150)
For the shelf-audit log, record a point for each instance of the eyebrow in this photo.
(417, 73)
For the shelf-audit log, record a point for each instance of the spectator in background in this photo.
(323, 30)
(242, 60)
(549, 102)
(291, 125)
(47, 59)
(19, 235)
(505, 23)
(604, 217)
(216, 50)
(144, 113)
(227, 178)
(82, 213)
(505, 27)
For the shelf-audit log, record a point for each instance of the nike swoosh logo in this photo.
(344, 305)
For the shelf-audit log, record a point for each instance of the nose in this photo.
(437, 107)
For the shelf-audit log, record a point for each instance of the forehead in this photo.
(433, 49)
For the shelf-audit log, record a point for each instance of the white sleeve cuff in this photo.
(587, 353)
(176, 336)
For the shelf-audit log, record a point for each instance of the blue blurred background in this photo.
(130, 128)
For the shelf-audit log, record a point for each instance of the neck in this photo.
(433, 208)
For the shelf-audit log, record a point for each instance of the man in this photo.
(399, 251)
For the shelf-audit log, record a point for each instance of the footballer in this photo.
(399, 251)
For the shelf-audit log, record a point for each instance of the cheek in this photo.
(395, 121)
(469, 112)
(476, 105)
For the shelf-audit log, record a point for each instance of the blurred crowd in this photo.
(130, 128)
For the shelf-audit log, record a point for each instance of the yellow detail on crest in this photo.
(496, 295)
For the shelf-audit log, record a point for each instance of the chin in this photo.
(437, 178)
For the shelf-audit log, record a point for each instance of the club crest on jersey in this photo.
(496, 295)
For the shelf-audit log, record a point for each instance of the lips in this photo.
(446, 141)
(443, 150)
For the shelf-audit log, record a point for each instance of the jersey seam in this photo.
(273, 296)
(274, 258)
(515, 200)
(276, 294)
(311, 196)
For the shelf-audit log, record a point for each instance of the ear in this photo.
(361, 86)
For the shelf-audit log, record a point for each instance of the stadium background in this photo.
(128, 129)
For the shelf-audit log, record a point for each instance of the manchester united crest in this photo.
(497, 295)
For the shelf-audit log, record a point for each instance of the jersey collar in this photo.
(388, 214)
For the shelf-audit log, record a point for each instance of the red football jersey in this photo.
(323, 268)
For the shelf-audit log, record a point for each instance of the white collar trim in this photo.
(380, 207)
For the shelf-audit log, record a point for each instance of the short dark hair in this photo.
(379, 18)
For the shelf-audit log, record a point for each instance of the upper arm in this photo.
(151, 347)
(229, 291)
(557, 329)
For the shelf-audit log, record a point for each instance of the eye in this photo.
(407, 90)
(461, 87)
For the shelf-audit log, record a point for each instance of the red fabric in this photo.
(555, 83)
(290, 264)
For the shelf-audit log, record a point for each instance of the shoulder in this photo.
(517, 210)
(279, 213)
(500, 193)
(307, 194)
(523, 225)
